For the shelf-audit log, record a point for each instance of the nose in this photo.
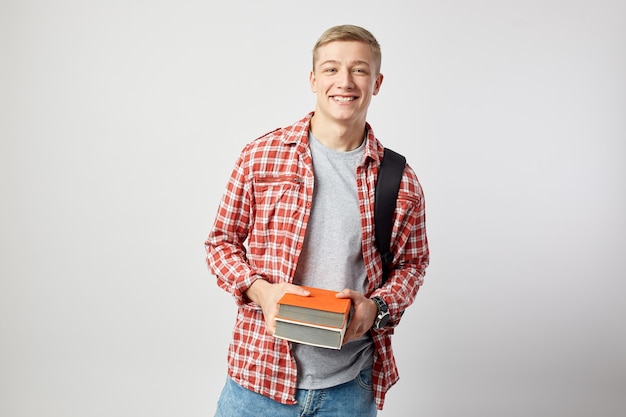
(345, 79)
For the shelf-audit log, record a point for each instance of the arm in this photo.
(226, 253)
(410, 248)
(227, 257)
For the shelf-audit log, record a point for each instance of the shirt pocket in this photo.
(276, 206)
(407, 203)
(406, 216)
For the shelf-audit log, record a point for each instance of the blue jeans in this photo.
(352, 399)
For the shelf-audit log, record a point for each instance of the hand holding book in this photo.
(266, 295)
(364, 312)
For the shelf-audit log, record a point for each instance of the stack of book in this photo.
(319, 319)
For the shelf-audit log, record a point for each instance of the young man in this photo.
(303, 198)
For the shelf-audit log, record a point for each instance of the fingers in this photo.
(362, 316)
(294, 289)
(355, 330)
(345, 293)
(357, 297)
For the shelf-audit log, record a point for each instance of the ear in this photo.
(313, 82)
(378, 83)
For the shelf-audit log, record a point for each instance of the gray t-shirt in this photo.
(332, 258)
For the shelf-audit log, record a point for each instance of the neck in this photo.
(336, 136)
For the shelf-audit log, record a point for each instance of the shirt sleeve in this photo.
(410, 248)
(225, 249)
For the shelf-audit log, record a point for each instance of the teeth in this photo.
(344, 99)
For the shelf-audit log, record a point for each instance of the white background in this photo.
(120, 121)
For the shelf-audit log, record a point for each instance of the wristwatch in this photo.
(383, 313)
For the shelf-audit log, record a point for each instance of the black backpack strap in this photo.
(387, 186)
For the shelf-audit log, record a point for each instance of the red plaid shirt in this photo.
(267, 202)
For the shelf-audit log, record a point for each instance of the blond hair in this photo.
(350, 33)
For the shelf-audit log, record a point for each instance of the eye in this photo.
(359, 70)
(330, 70)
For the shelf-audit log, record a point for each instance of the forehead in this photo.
(344, 52)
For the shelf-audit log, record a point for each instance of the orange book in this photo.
(319, 319)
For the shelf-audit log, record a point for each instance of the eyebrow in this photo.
(335, 62)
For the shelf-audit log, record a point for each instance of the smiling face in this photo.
(344, 78)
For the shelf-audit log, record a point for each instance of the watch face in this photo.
(383, 313)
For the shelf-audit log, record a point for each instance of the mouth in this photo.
(344, 99)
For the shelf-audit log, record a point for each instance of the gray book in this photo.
(310, 334)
